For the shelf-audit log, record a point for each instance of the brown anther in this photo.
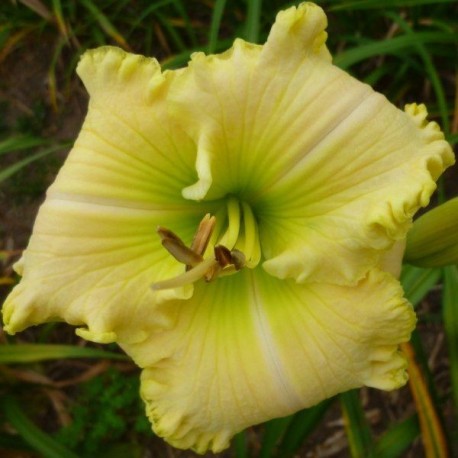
(223, 256)
(165, 233)
(228, 261)
(176, 247)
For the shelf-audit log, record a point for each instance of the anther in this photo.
(203, 234)
(223, 256)
(176, 247)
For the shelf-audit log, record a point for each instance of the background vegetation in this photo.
(59, 396)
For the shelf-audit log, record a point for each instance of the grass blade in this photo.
(174, 35)
(417, 282)
(37, 439)
(432, 434)
(16, 143)
(57, 9)
(450, 314)
(390, 46)
(11, 42)
(38, 7)
(429, 67)
(359, 433)
(52, 83)
(14, 168)
(273, 431)
(302, 424)
(398, 438)
(241, 445)
(105, 24)
(29, 353)
(218, 11)
(377, 4)
(141, 18)
(187, 21)
(253, 20)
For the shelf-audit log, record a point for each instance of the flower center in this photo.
(223, 245)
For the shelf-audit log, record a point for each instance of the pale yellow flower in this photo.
(313, 179)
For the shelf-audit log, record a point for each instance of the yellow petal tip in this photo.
(98, 337)
(107, 69)
(300, 29)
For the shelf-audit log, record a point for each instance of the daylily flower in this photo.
(281, 189)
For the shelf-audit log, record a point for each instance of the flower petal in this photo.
(94, 251)
(354, 193)
(250, 347)
(327, 164)
(129, 149)
(230, 103)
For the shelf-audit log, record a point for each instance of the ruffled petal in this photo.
(354, 193)
(250, 347)
(94, 251)
(327, 164)
(129, 148)
(231, 104)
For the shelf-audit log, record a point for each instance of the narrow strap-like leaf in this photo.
(302, 424)
(416, 283)
(356, 426)
(218, 11)
(390, 46)
(105, 23)
(28, 353)
(397, 438)
(37, 439)
(450, 313)
(253, 20)
(432, 434)
(273, 431)
(241, 445)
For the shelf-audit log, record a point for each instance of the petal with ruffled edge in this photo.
(94, 251)
(375, 170)
(327, 164)
(250, 347)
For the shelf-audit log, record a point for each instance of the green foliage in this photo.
(358, 430)
(106, 409)
(31, 434)
(27, 353)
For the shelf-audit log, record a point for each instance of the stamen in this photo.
(223, 256)
(176, 247)
(203, 234)
(229, 262)
(187, 277)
